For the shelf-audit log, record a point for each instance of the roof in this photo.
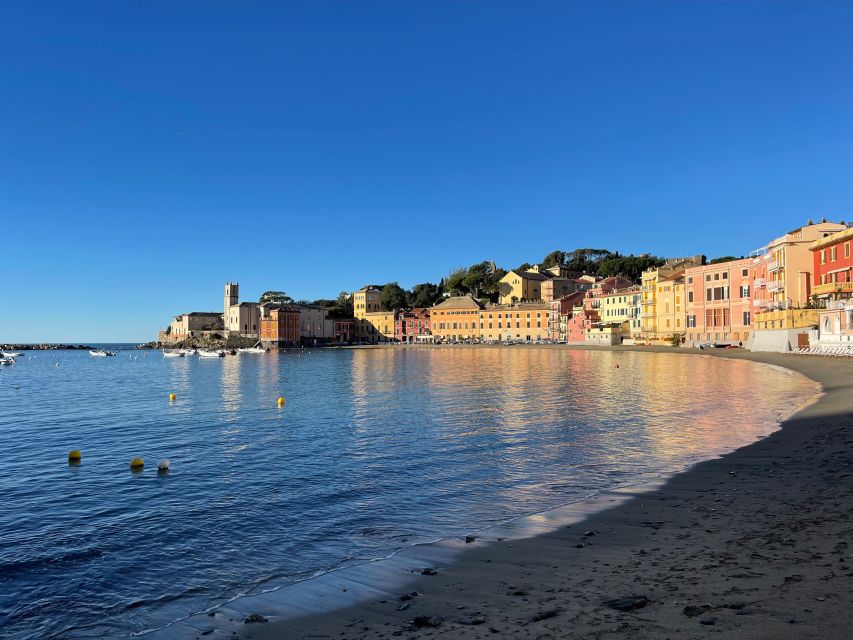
(278, 306)
(832, 238)
(459, 302)
(524, 306)
(218, 314)
(369, 287)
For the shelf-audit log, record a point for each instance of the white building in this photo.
(314, 322)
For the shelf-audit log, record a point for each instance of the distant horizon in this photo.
(153, 151)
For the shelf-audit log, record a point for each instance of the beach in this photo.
(756, 544)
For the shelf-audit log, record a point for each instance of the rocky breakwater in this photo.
(44, 347)
(202, 342)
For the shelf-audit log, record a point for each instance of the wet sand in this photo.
(757, 544)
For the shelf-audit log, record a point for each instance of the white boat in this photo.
(100, 353)
(10, 354)
(189, 352)
(173, 354)
(205, 353)
(252, 350)
(7, 361)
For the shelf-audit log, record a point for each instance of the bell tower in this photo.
(232, 295)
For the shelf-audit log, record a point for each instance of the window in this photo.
(744, 291)
(689, 296)
(746, 318)
(745, 273)
(707, 277)
(832, 254)
(823, 256)
(690, 280)
(846, 249)
(691, 321)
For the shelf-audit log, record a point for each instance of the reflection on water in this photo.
(376, 449)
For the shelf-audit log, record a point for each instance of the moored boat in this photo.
(173, 354)
(206, 353)
(7, 360)
(252, 350)
(101, 353)
(10, 354)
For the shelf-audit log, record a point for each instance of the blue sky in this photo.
(151, 151)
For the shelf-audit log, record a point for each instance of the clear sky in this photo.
(151, 151)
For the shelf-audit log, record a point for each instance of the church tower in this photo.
(232, 295)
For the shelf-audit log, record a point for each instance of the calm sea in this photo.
(375, 450)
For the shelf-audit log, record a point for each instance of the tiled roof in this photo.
(459, 302)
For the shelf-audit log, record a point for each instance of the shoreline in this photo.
(474, 580)
(753, 544)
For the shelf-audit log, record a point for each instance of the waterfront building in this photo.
(662, 312)
(315, 326)
(345, 331)
(240, 318)
(783, 270)
(559, 312)
(280, 325)
(191, 325)
(835, 325)
(832, 260)
(621, 307)
(372, 324)
(719, 302)
(456, 318)
(412, 326)
(525, 321)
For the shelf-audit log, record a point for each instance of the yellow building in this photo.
(787, 319)
(621, 306)
(526, 321)
(522, 286)
(456, 318)
(662, 312)
(371, 324)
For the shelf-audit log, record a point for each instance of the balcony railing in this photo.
(775, 285)
(833, 287)
(773, 266)
(759, 282)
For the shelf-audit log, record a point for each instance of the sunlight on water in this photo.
(376, 449)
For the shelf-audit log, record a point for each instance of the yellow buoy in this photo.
(281, 402)
(172, 397)
(137, 463)
(75, 456)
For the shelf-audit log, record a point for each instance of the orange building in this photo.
(526, 322)
(456, 318)
(280, 326)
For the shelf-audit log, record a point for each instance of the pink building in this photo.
(559, 313)
(719, 302)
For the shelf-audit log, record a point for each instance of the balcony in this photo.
(648, 288)
(773, 266)
(775, 285)
(833, 287)
(647, 315)
(759, 282)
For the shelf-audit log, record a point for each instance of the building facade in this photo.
(413, 326)
(189, 325)
(522, 286)
(240, 318)
(344, 331)
(832, 261)
(783, 270)
(456, 318)
(526, 322)
(662, 314)
(280, 326)
(372, 324)
(719, 302)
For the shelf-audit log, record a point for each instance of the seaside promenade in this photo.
(756, 544)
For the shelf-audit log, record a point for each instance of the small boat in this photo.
(101, 353)
(7, 361)
(205, 353)
(252, 350)
(189, 352)
(10, 354)
(173, 354)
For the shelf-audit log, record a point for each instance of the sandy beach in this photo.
(756, 544)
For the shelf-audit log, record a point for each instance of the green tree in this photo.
(393, 297)
(425, 294)
(275, 296)
(554, 258)
(454, 282)
(630, 267)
